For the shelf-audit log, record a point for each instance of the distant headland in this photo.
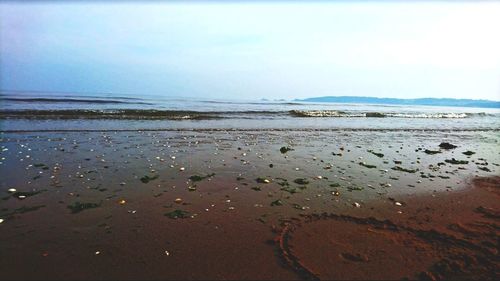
(420, 101)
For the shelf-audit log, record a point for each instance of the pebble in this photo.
(22, 197)
(97, 252)
(178, 200)
(182, 169)
(356, 204)
(122, 202)
(398, 204)
(1, 220)
(167, 253)
(12, 190)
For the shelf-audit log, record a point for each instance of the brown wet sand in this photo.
(245, 218)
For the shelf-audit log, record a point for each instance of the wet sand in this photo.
(338, 205)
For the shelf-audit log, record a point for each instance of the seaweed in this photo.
(468, 153)
(146, 179)
(401, 169)
(41, 165)
(301, 181)
(285, 149)
(290, 190)
(351, 188)
(78, 206)
(277, 203)
(22, 210)
(178, 214)
(200, 178)
(335, 184)
(432, 151)
(367, 165)
(447, 145)
(380, 155)
(262, 180)
(456, 162)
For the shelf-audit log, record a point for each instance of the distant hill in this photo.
(422, 101)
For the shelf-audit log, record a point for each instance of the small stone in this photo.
(182, 169)
(178, 200)
(12, 190)
(356, 204)
(398, 204)
(122, 202)
(21, 197)
(1, 220)
(97, 253)
(167, 253)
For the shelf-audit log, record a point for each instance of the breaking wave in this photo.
(203, 115)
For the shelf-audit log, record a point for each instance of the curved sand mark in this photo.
(331, 246)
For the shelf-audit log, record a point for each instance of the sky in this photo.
(242, 50)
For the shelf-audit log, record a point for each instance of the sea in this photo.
(45, 111)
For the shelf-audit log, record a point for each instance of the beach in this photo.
(249, 204)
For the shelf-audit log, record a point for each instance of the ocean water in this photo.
(31, 111)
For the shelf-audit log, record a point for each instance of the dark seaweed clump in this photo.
(432, 151)
(78, 206)
(178, 214)
(468, 153)
(285, 149)
(447, 145)
(456, 162)
(147, 178)
(399, 168)
(380, 155)
(301, 181)
(200, 178)
(367, 165)
(277, 203)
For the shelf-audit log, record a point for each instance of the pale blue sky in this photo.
(253, 50)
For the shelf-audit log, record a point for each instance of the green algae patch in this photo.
(21, 210)
(352, 188)
(178, 214)
(276, 203)
(301, 181)
(401, 169)
(41, 165)
(200, 178)
(262, 180)
(456, 162)
(78, 206)
(147, 178)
